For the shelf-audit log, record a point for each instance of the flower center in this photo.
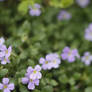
(5, 86)
(69, 54)
(6, 51)
(46, 62)
(54, 61)
(5, 60)
(34, 71)
(87, 57)
(31, 80)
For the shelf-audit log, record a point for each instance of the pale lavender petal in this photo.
(5, 81)
(6, 90)
(11, 86)
(36, 82)
(42, 60)
(39, 75)
(37, 68)
(1, 86)
(25, 80)
(31, 86)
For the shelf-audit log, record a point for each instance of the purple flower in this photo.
(83, 3)
(64, 15)
(5, 86)
(69, 54)
(35, 74)
(4, 60)
(35, 10)
(31, 83)
(2, 41)
(51, 61)
(32, 77)
(87, 58)
(7, 51)
(88, 33)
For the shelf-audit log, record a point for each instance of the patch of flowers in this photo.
(4, 52)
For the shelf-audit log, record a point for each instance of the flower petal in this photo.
(5, 80)
(11, 86)
(31, 86)
(1, 86)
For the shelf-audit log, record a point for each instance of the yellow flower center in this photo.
(87, 57)
(5, 60)
(5, 86)
(46, 62)
(69, 54)
(31, 80)
(35, 71)
(6, 51)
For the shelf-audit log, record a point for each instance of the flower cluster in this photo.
(32, 77)
(5, 86)
(51, 61)
(4, 52)
(35, 10)
(83, 3)
(87, 58)
(88, 33)
(64, 15)
(69, 54)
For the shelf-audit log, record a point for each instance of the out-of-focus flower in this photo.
(35, 10)
(51, 61)
(5, 86)
(69, 54)
(32, 77)
(6, 51)
(87, 58)
(88, 33)
(83, 3)
(2, 40)
(4, 60)
(31, 83)
(35, 74)
(64, 15)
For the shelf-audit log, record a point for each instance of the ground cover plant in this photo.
(45, 46)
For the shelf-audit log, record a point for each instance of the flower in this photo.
(6, 87)
(64, 15)
(69, 54)
(88, 33)
(2, 40)
(6, 51)
(87, 58)
(35, 10)
(5, 60)
(83, 3)
(35, 74)
(32, 77)
(31, 83)
(51, 61)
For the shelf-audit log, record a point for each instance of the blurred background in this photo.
(34, 31)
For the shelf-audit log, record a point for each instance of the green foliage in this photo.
(33, 37)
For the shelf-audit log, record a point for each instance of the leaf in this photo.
(47, 89)
(23, 89)
(3, 72)
(88, 89)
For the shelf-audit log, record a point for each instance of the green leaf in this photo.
(53, 82)
(3, 72)
(23, 89)
(47, 89)
(88, 89)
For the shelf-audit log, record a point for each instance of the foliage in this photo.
(34, 37)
